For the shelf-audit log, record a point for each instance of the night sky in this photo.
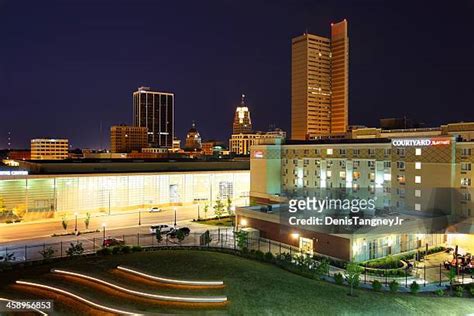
(67, 66)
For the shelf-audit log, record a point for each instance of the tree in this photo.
(322, 268)
(219, 208)
(207, 238)
(64, 222)
(451, 278)
(180, 235)
(158, 236)
(229, 205)
(242, 238)
(352, 275)
(206, 209)
(2, 206)
(87, 220)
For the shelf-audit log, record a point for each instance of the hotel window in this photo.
(371, 164)
(355, 187)
(306, 151)
(371, 176)
(356, 152)
(466, 196)
(342, 151)
(417, 151)
(401, 152)
(401, 165)
(342, 174)
(387, 164)
(356, 163)
(401, 192)
(417, 207)
(401, 179)
(387, 151)
(371, 152)
(387, 177)
(387, 189)
(466, 151)
(342, 164)
(306, 162)
(466, 182)
(318, 163)
(316, 151)
(328, 174)
(417, 179)
(356, 175)
(418, 165)
(329, 163)
(417, 193)
(465, 166)
(329, 151)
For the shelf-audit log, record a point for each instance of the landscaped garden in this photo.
(251, 287)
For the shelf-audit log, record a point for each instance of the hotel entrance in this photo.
(306, 245)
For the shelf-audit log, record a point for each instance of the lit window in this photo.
(328, 173)
(417, 207)
(329, 151)
(342, 174)
(418, 165)
(417, 193)
(418, 151)
(417, 179)
(387, 177)
(466, 181)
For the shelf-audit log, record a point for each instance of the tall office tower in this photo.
(155, 111)
(242, 122)
(320, 84)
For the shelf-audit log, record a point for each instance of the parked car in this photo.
(110, 242)
(155, 209)
(164, 229)
(174, 232)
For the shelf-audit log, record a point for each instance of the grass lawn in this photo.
(253, 288)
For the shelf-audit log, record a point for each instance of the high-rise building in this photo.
(49, 149)
(242, 122)
(125, 139)
(155, 111)
(320, 84)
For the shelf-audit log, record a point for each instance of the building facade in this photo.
(125, 139)
(49, 149)
(320, 84)
(240, 143)
(415, 176)
(155, 111)
(193, 139)
(242, 122)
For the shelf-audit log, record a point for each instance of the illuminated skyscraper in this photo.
(242, 122)
(320, 84)
(155, 111)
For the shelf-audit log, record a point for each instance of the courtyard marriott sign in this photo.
(409, 142)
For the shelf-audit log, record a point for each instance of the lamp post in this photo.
(103, 232)
(139, 217)
(75, 223)
(175, 218)
(199, 216)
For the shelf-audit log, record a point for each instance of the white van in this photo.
(164, 229)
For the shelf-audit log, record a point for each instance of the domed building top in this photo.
(242, 122)
(193, 139)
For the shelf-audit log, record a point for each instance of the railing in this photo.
(224, 239)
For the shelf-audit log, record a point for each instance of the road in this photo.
(121, 222)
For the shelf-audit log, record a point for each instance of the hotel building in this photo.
(125, 139)
(155, 111)
(240, 143)
(411, 173)
(49, 149)
(320, 84)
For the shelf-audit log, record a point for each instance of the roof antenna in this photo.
(243, 99)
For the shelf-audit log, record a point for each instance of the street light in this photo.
(103, 231)
(139, 217)
(175, 218)
(75, 224)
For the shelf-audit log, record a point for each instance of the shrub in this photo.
(471, 290)
(126, 249)
(259, 255)
(322, 268)
(116, 250)
(137, 248)
(47, 253)
(269, 256)
(75, 250)
(414, 287)
(439, 292)
(376, 285)
(459, 291)
(245, 250)
(338, 278)
(104, 251)
(394, 286)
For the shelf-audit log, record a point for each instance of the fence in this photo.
(225, 239)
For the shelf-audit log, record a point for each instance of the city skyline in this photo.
(81, 54)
